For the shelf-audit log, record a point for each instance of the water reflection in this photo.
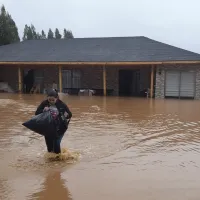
(52, 188)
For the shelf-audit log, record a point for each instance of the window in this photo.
(76, 79)
(180, 84)
(66, 78)
(71, 79)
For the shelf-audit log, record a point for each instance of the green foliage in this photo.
(67, 34)
(8, 29)
(50, 34)
(30, 33)
(57, 34)
(43, 35)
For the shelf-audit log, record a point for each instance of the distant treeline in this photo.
(30, 34)
(9, 31)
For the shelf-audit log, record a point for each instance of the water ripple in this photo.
(134, 138)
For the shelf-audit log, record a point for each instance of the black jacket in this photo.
(61, 106)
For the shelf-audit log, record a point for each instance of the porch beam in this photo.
(152, 81)
(20, 79)
(60, 78)
(101, 63)
(104, 80)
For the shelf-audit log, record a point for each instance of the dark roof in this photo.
(116, 49)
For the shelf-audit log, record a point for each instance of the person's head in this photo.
(52, 96)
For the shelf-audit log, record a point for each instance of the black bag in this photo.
(43, 124)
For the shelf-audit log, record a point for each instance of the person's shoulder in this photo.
(44, 102)
(61, 102)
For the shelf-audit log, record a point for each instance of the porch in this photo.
(104, 79)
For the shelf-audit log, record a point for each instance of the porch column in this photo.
(60, 78)
(104, 80)
(20, 79)
(152, 81)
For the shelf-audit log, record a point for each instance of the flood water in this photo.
(129, 149)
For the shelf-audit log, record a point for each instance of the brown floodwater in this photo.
(129, 149)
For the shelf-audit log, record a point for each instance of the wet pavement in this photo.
(129, 149)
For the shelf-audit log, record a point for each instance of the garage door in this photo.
(187, 86)
(172, 84)
(180, 84)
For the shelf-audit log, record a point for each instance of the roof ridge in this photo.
(117, 37)
(80, 38)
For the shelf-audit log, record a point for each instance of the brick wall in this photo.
(91, 76)
(51, 74)
(10, 75)
(113, 76)
(160, 78)
(160, 82)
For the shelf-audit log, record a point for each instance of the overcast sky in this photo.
(175, 22)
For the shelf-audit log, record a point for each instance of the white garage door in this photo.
(180, 84)
(172, 84)
(187, 87)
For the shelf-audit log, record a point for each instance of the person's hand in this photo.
(66, 114)
(46, 109)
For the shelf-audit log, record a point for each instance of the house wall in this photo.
(51, 74)
(9, 75)
(91, 76)
(160, 78)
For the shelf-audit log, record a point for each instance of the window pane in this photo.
(76, 79)
(66, 79)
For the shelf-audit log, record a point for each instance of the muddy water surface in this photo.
(129, 149)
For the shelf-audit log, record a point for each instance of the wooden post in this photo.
(20, 79)
(60, 78)
(152, 81)
(104, 80)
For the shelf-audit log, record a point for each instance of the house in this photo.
(125, 66)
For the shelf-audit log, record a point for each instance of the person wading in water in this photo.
(62, 121)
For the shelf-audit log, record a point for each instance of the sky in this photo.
(176, 22)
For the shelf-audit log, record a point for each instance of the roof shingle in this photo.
(116, 49)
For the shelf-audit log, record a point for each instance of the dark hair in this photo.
(52, 93)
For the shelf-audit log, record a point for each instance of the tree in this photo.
(34, 34)
(57, 34)
(30, 33)
(26, 28)
(3, 10)
(43, 35)
(38, 36)
(13, 30)
(50, 34)
(67, 34)
(8, 29)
